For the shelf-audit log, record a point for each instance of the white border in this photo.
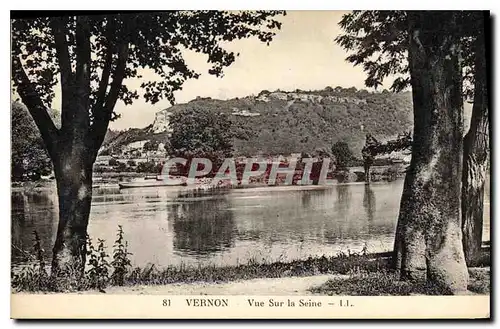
(190, 4)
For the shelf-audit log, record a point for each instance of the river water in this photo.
(175, 226)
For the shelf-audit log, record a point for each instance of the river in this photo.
(175, 226)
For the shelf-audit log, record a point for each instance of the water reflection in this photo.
(32, 210)
(312, 198)
(202, 227)
(369, 203)
(170, 226)
(343, 203)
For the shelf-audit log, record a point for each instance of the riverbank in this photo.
(111, 179)
(354, 274)
(374, 284)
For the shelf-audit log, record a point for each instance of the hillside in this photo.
(291, 122)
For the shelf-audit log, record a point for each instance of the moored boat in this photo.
(150, 184)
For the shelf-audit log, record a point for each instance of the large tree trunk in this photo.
(73, 174)
(74, 146)
(428, 241)
(476, 146)
(74, 158)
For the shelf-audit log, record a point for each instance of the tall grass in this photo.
(368, 274)
(100, 271)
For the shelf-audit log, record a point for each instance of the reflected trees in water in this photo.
(369, 203)
(202, 227)
(32, 211)
(344, 195)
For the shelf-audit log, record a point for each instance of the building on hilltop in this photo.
(244, 113)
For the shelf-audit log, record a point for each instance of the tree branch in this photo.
(118, 77)
(58, 29)
(62, 50)
(101, 123)
(37, 109)
(83, 57)
(106, 72)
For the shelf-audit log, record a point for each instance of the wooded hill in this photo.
(299, 121)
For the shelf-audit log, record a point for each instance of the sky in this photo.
(303, 55)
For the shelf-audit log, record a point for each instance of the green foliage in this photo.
(32, 277)
(153, 40)
(115, 144)
(121, 167)
(386, 283)
(200, 132)
(120, 261)
(373, 147)
(97, 272)
(302, 126)
(369, 274)
(343, 155)
(383, 283)
(29, 158)
(98, 275)
(150, 146)
(260, 268)
(480, 280)
(149, 167)
(378, 40)
(393, 172)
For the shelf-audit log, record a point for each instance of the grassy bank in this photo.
(367, 274)
(101, 273)
(386, 283)
(340, 264)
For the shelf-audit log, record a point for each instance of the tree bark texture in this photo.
(429, 238)
(476, 149)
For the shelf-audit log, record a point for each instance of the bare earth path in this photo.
(269, 286)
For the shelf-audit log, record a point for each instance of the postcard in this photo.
(250, 165)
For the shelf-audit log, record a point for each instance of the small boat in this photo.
(150, 184)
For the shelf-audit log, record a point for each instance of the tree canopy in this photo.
(343, 155)
(378, 40)
(200, 132)
(29, 157)
(92, 56)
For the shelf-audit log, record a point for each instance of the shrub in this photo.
(392, 172)
(382, 283)
(120, 261)
(97, 274)
(33, 277)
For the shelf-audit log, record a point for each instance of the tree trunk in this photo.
(74, 146)
(73, 174)
(428, 240)
(397, 259)
(476, 147)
